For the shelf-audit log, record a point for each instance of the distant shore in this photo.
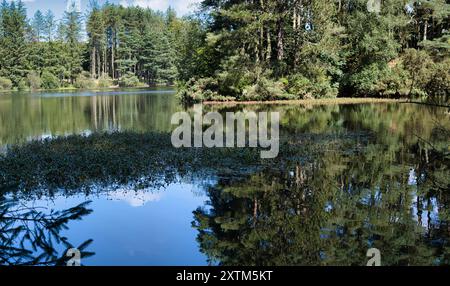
(115, 87)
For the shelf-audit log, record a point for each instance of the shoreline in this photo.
(69, 89)
(324, 101)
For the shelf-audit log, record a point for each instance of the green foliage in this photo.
(321, 83)
(84, 81)
(439, 84)
(49, 80)
(129, 80)
(5, 83)
(159, 58)
(197, 55)
(34, 81)
(105, 82)
(323, 49)
(22, 84)
(134, 40)
(366, 81)
(13, 42)
(38, 26)
(299, 86)
(419, 65)
(265, 89)
(198, 90)
(235, 76)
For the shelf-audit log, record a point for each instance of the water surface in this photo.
(376, 175)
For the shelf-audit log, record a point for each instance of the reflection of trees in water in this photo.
(28, 236)
(24, 118)
(331, 212)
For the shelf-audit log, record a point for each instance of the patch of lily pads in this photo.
(76, 162)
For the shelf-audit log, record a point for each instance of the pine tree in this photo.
(159, 59)
(97, 42)
(49, 26)
(13, 58)
(38, 26)
(71, 28)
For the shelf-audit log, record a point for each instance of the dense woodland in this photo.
(110, 45)
(235, 50)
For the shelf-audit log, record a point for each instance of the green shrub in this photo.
(22, 85)
(5, 83)
(129, 80)
(317, 87)
(393, 82)
(235, 76)
(49, 80)
(420, 67)
(299, 86)
(323, 88)
(84, 81)
(365, 81)
(439, 85)
(105, 82)
(381, 80)
(34, 80)
(321, 83)
(198, 90)
(266, 89)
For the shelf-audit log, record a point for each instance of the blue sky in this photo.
(182, 7)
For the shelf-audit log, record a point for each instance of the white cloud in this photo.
(135, 198)
(182, 7)
(74, 3)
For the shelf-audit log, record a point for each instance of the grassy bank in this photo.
(324, 101)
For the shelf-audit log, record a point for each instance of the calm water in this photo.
(379, 178)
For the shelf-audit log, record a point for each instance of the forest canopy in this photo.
(108, 45)
(235, 50)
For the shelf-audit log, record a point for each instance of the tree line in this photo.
(236, 49)
(110, 45)
(262, 49)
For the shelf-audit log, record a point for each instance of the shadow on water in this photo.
(30, 236)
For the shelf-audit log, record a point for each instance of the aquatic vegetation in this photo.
(78, 161)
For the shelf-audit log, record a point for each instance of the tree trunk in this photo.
(99, 63)
(112, 55)
(93, 59)
(269, 46)
(280, 41)
(104, 61)
(280, 36)
(425, 30)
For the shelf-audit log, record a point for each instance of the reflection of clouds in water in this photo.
(429, 210)
(135, 198)
(429, 213)
(412, 180)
